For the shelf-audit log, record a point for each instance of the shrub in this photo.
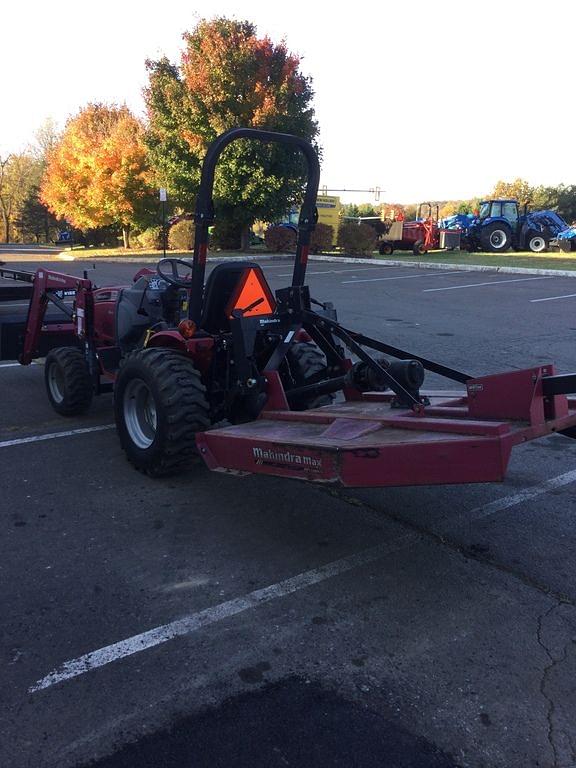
(151, 238)
(99, 237)
(322, 239)
(181, 236)
(280, 239)
(357, 239)
(226, 235)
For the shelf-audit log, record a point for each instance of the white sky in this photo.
(427, 100)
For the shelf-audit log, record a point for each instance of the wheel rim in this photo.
(537, 244)
(56, 383)
(140, 413)
(498, 238)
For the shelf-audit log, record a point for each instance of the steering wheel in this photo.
(175, 278)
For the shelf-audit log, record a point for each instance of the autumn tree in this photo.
(519, 189)
(97, 173)
(229, 77)
(459, 206)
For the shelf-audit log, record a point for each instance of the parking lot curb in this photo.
(64, 256)
(456, 267)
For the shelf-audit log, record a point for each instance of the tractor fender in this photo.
(199, 349)
(173, 339)
(168, 340)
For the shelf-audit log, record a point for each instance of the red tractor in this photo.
(183, 355)
(419, 236)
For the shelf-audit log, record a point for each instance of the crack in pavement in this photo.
(376, 514)
(544, 680)
(551, 706)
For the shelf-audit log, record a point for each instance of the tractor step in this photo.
(460, 438)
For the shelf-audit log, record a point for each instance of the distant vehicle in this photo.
(500, 226)
(419, 236)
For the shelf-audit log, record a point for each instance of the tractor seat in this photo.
(150, 302)
(220, 286)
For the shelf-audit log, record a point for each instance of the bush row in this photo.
(354, 239)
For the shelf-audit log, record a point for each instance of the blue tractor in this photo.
(499, 226)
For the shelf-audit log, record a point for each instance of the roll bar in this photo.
(204, 213)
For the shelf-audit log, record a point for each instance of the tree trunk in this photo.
(6, 224)
(245, 237)
(126, 235)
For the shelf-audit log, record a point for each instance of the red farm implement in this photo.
(300, 395)
(419, 236)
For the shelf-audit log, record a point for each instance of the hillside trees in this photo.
(97, 173)
(561, 198)
(229, 77)
(519, 189)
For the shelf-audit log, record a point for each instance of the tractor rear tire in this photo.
(67, 380)
(418, 248)
(306, 360)
(496, 237)
(536, 242)
(160, 404)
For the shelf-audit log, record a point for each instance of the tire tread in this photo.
(186, 410)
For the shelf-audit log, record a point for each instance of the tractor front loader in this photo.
(256, 382)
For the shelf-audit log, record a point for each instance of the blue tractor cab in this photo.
(500, 225)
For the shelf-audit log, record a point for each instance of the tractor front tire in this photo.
(385, 249)
(159, 404)
(306, 360)
(418, 248)
(536, 242)
(67, 380)
(496, 237)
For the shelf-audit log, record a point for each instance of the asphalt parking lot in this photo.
(208, 620)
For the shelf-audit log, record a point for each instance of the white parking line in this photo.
(518, 498)
(554, 298)
(196, 621)
(55, 435)
(11, 365)
(405, 277)
(338, 271)
(492, 282)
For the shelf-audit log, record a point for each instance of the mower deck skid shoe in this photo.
(461, 438)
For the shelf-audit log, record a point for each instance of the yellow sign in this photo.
(329, 212)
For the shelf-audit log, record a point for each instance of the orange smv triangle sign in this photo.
(252, 296)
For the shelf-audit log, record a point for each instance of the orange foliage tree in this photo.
(229, 77)
(97, 173)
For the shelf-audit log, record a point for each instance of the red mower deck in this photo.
(459, 438)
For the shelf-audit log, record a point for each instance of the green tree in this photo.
(18, 173)
(561, 199)
(34, 220)
(229, 77)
